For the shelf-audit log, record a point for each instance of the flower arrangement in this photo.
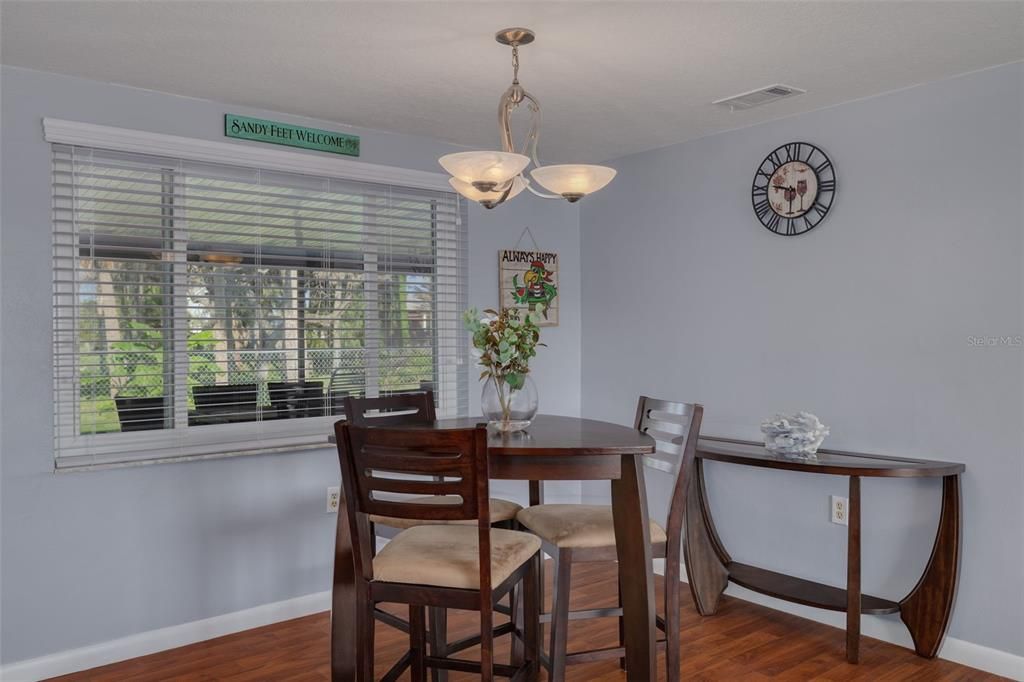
(504, 343)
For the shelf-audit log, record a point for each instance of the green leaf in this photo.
(506, 343)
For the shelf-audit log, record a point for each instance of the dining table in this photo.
(552, 448)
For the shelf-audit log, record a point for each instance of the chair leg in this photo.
(373, 539)
(438, 640)
(560, 615)
(418, 643)
(366, 629)
(516, 601)
(486, 640)
(541, 580)
(531, 615)
(673, 660)
(622, 629)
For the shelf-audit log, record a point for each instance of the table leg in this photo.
(853, 574)
(536, 493)
(345, 654)
(927, 609)
(537, 498)
(632, 540)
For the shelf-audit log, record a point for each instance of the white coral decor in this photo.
(796, 434)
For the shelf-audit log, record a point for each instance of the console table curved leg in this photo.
(926, 610)
(703, 554)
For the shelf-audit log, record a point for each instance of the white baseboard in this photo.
(64, 662)
(153, 641)
(887, 629)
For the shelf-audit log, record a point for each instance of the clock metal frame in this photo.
(825, 175)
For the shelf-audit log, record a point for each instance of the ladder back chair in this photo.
(405, 409)
(466, 567)
(576, 532)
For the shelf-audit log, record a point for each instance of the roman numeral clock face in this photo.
(793, 189)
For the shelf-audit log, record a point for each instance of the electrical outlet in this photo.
(840, 510)
(333, 499)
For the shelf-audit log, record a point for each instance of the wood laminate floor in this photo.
(743, 641)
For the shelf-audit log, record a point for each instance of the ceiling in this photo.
(613, 77)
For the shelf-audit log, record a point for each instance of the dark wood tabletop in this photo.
(836, 462)
(550, 435)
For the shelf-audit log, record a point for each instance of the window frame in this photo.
(181, 442)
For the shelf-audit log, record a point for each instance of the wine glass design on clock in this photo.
(794, 188)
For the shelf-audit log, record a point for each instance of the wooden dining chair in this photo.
(575, 532)
(405, 409)
(467, 567)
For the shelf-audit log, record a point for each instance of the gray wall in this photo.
(864, 321)
(687, 296)
(88, 557)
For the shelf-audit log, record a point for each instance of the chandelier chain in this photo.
(515, 64)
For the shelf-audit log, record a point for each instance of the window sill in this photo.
(77, 467)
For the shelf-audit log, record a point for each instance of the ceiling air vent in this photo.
(756, 98)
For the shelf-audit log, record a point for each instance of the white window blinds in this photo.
(205, 309)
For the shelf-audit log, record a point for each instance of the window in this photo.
(205, 308)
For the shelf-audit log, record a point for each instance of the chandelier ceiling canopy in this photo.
(492, 177)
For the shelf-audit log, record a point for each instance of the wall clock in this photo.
(793, 189)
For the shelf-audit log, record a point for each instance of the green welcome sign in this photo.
(259, 130)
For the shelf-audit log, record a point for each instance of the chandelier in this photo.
(492, 178)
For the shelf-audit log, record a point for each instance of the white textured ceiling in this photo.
(613, 77)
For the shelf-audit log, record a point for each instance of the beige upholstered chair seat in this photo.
(501, 510)
(577, 525)
(449, 556)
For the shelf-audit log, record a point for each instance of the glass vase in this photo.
(507, 408)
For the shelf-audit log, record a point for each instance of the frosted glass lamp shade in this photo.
(573, 181)
(488, 199)
(484, 170)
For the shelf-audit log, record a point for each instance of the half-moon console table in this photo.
(925, 610)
